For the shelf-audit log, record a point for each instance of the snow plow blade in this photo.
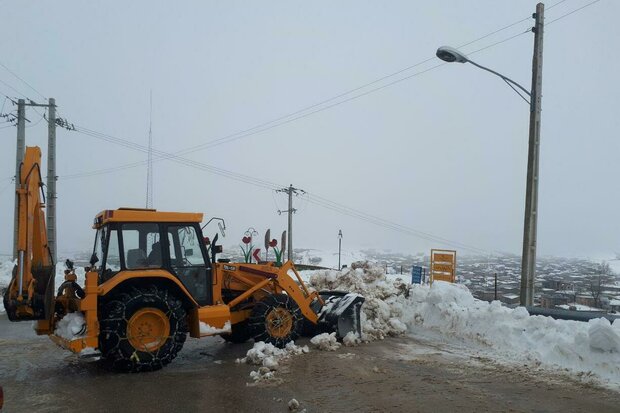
(341, 313)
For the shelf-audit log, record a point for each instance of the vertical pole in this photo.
(290, 223)
(495, 286)
(149, 167)
(339, 248)
(19, 157)
(528, 262)
(51, 178)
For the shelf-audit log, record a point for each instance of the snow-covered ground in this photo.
(507, 335)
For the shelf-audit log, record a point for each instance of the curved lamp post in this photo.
(528, 260)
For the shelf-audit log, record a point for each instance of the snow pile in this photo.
(325, 341)
(351, 339)
(71, 326)
(385, 299)
(206, 329)
(262, 374)
(588, 349)
(269, 358)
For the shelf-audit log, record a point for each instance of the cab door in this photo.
(187, 259)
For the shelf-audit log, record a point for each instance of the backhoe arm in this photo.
(30, 295)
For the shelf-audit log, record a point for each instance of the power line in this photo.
(299, 114)
(314, 199)
(26, 83)
(12, 88)
(571, 12)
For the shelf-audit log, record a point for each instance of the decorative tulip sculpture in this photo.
(248, 246)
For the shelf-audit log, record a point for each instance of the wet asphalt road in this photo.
(399, 374)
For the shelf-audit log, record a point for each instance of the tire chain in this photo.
(114, 356)
(258, 321)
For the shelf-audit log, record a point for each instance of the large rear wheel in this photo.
(276, 319)
(141, 329)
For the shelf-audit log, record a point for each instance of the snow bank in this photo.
(588, 349)
(71, 326)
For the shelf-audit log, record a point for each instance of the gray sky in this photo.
(443, 152)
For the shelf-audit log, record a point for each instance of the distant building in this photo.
(585, 299)
(614, 305)
(553, 300)
(510, 299)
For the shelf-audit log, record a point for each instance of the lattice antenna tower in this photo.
(149, 168)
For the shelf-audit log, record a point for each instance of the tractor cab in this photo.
(144, 240)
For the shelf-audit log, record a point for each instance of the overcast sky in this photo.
(443, 152)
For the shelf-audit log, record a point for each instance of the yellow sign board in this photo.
(443, 265)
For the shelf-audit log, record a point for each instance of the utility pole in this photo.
(19, 157)
(290, 191)
(339, 247)
(528, 262)
(50, 200)
(495, 286)
(51, 178)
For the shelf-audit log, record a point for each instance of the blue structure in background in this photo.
(416, 275)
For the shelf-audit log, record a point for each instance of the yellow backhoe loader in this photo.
(152, 279)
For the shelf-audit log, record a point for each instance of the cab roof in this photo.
(144, 215)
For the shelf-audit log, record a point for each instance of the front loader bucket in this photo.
(341, 313)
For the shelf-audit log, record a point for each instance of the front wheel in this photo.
(141, 329)
(276, 319)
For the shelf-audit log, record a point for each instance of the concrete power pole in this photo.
(19, 157)
(290, 191)
(528, 262)
(51, 178)
(50, 196)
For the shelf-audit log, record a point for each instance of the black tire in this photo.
(240, 333)
(118, 353)
(261, 321)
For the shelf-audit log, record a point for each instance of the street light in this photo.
(528, 260)
(450, 55)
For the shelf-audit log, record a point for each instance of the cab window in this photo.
(141, 246)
